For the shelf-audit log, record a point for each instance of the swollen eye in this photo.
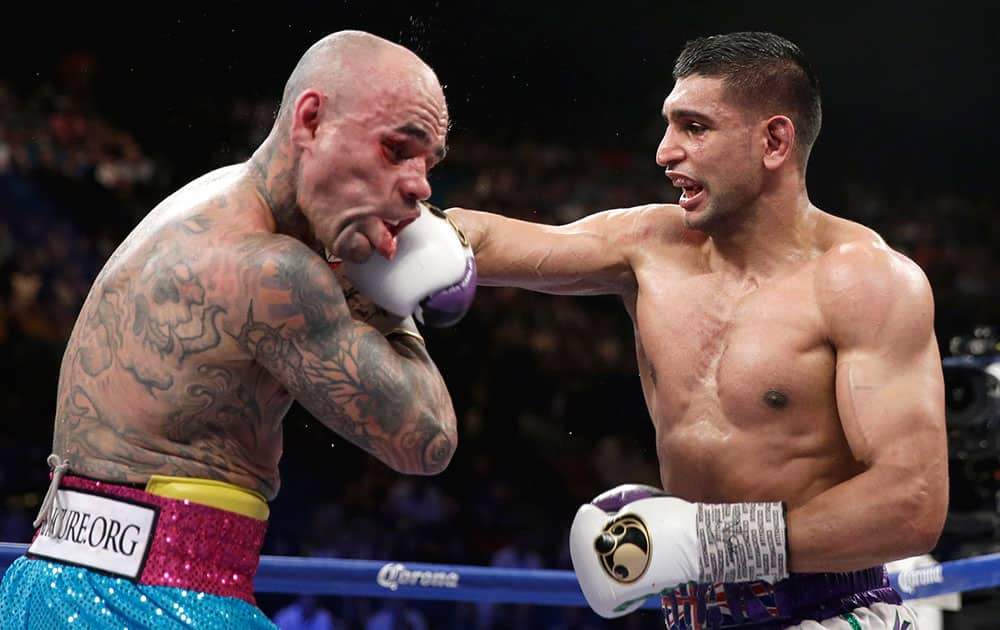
(395, 154)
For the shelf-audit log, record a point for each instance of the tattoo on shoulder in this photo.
(199, 223)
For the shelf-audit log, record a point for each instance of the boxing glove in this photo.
(432, 275)
(650, 544)
(612, 500)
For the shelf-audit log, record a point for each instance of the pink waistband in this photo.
(194, 546)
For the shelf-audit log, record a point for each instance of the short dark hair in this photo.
(762, 70)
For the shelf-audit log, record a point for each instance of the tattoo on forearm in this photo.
(342, 372)
(327, 385)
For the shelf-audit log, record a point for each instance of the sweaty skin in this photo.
(219, 310)
(813, 383)
(785, 354)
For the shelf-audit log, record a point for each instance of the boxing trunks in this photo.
(179, 553)
(858, 600)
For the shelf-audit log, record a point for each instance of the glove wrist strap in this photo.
(404, 332)
(742, 542)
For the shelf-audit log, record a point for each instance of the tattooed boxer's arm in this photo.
(386, 397)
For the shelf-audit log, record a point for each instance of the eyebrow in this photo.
(414, 131)
(687, 113)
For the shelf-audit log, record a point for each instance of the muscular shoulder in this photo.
(865, 289)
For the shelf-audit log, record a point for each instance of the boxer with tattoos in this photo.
(218, 311)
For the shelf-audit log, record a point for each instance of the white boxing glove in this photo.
(432, 275)
(654, 544)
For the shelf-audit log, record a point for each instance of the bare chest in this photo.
(737, 355)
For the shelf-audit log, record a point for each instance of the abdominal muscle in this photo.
(712, 460)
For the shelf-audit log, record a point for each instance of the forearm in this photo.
(512, 253)
(434, 412)
(383, 394)
(412, 425)
(871, 519)
(432, 401)
(586, 257)
(478, 227)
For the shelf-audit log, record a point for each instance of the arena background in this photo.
(555, 110)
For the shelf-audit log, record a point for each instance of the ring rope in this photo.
(420, 580)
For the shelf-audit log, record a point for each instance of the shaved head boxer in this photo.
(216, 313)
(787, 357)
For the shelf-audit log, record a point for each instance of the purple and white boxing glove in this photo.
(634, 542)
(432, 275)
(614, 499)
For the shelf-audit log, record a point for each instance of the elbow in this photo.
(439, 462)
(431, 449)
(441, 446)
(438, 452)
(922, 537)
(923, 515)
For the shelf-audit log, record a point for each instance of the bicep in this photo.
(889, 385)
(586, 257)
(891, 404)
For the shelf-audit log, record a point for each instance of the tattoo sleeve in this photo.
(389, 400)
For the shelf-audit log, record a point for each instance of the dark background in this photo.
(909, 88)
(549, 405)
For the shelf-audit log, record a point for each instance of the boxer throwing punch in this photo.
(787, 358)
(216, 313)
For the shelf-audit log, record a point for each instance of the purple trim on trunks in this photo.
(759, 605)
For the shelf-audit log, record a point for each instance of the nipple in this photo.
(775, 399)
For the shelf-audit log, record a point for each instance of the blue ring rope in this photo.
(420, 580)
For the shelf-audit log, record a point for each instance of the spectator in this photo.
(305, 613)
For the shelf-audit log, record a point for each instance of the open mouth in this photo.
(692, 192)
(690, 197)
(387, 247)
(397, 226)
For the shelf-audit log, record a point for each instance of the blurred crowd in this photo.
(546, 389)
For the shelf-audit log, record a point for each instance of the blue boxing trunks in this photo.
(113, 556)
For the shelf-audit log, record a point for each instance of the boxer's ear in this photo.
(778, 140)
(306, 116)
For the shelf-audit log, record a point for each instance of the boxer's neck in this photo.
(769, 241)
(272, 169)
